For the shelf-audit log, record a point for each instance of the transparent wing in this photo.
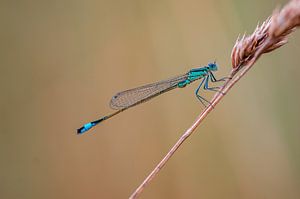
(132, 97)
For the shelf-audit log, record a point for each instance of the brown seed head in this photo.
(270, 35)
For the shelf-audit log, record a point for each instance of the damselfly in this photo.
(129, 98)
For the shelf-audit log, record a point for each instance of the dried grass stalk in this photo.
(267, 37)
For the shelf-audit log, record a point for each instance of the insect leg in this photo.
(206, 86)
(201, 99)
(213, 79)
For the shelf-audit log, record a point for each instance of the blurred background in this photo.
(62, 61)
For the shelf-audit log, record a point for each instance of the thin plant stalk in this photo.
(267, 37)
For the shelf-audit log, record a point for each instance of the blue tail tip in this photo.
(85, 127)
(81, 130)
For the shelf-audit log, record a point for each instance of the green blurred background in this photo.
(61, 61)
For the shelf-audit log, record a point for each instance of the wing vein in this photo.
(132, 97)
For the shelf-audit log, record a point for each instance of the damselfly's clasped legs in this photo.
(129, 98)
